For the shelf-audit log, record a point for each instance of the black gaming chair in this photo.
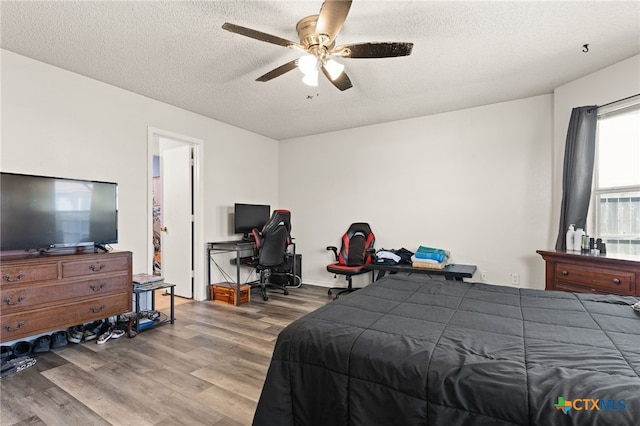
(356, 251)
(272, 243)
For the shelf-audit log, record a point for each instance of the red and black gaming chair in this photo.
(356, 251)
(272, 243)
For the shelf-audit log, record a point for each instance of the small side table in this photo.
(152, 287)
(452, 271)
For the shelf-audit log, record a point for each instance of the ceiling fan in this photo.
(317, 35)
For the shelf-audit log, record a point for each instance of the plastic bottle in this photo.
(570, 234)
(577, 239)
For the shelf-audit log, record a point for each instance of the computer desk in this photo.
(237, 246)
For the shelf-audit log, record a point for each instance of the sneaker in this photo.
(42, 344)
(59, 339)
(92, 331)
(15, 365)
(75, 334)
(22, 348)
(7, 353)
(117, 333)
(102, 339)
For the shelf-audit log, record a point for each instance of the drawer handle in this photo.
(96, 310)
(95, 288)
(11, 279)
(565, 273)
(96, 269)
(616, 281)
(9, 328)
(8, 301)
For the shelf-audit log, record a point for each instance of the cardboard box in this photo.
(226, 292)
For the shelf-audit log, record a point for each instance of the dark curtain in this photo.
(579, 154)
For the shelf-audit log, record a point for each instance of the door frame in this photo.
(199, 288)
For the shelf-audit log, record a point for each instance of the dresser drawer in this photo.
(26, 273)
(573, 288)
(599, 279)
(19, 297)
(81, 268)
(18, 325)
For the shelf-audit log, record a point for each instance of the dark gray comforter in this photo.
(410, 350)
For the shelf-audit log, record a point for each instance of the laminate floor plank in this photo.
(106, 400)
(233, 405)
(56, 407)
(206, 369)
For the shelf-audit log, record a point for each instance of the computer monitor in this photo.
(249, 216)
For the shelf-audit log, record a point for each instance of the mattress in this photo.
(413, 350)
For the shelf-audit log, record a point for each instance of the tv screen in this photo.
(249, 216)
(41, 212)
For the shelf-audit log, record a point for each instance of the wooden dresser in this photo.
(575, 272)
(52, 292)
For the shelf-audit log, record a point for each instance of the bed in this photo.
(414, 350)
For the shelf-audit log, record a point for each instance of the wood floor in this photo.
(206, 369)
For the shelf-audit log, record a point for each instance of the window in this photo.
(616, 191)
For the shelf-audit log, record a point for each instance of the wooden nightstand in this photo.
(584, 273)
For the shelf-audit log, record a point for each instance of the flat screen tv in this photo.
(41, 212)
(249, 216)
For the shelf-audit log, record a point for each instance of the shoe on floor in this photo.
(92, 331)
(42, 344)
(15, 365)
(59, 339)
(22, 348)
(75, 334)
(102, 339)
(7, 353)
(117, 333)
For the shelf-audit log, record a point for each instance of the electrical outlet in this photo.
(515, 278)
(484, 275)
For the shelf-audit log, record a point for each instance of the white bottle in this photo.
(570, 238)
(577, 239)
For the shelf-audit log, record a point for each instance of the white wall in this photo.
(476, 182)
(483, 182)
(610, 84)
(58, 123)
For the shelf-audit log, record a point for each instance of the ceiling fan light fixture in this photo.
(334, 68)
(311, 78)
(308, 64)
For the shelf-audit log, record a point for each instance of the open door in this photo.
(177, 215)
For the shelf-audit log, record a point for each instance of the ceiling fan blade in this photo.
(342, 82)
(278, 71)
(373, 50)
(332, 15)
(259, 35)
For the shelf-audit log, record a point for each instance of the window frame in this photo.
(626, 105)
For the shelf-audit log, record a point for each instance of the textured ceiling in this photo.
(465, 54)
